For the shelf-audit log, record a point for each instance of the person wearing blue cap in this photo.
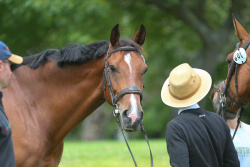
(7, 158)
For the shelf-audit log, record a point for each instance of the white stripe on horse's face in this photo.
(127, 59)
(143, 58)
(133, 114)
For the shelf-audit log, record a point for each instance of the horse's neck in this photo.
(63, 96)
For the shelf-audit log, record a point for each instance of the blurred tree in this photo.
(200, 33)
(93, 127)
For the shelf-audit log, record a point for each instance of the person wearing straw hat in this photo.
(7, 158)
(196, 137)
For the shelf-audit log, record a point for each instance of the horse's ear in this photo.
(115, 35)
(239, 30)
(140, 36)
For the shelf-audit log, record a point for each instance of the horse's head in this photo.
(216, 97)
(234, 91)
(124, 74)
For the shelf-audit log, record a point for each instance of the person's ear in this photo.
(1, 65)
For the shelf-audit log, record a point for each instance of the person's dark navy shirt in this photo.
(199, 138)
(7, 158)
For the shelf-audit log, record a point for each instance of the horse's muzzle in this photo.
(131, 120)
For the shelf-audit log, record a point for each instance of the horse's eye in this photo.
(112, 68)
(145, 71)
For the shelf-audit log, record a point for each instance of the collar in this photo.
(194, 106)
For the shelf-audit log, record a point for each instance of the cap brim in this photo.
(205, 86)
(15, 59)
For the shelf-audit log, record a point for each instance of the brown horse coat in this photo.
(55, 90)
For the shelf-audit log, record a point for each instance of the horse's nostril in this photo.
(132, 117)
(125, 116)
(125, 113)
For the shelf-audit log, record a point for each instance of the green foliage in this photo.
(217, 12)
(38, 22)
(36, 25)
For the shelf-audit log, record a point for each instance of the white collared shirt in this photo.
(194, 106)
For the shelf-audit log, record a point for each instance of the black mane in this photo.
(73, 54)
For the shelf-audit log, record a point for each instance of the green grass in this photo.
(113, 153)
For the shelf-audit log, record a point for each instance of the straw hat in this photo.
(185, 86)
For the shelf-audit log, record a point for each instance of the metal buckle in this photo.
(116, 110)
(222, 100)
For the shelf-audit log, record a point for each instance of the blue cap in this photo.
(6, 54)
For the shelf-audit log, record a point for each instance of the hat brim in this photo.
(15, 59)
(204, 88)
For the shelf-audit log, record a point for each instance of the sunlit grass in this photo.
(113, 153)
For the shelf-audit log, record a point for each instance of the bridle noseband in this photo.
(127, 90)
(240, 57)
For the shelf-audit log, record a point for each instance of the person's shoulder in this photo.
(180, 121)
(174, 123)
(174, 127)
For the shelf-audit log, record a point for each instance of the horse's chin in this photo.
(227, 114)
(129, 128)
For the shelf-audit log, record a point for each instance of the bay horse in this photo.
(234, 92)
(53, 91)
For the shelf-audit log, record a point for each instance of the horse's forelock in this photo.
(128, 42)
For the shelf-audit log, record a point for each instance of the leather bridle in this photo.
(127, 90)
(239, 58)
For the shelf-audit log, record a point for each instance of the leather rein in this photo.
(240, 57)
(115, 99)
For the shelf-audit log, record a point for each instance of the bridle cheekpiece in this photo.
(127, 90)
(106, 76)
